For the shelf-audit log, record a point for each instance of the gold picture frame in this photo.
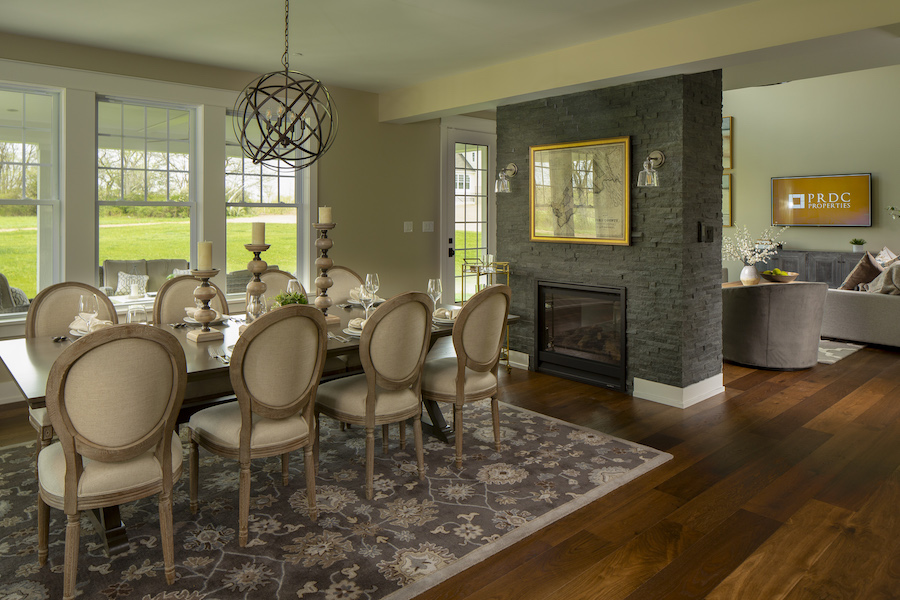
(580, 192)
(726, 200)
(727, 160)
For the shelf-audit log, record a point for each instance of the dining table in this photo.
(208, 382)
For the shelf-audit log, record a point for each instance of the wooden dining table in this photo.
(208, 382)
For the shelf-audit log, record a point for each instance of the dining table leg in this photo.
(433, 422)
(107, 522)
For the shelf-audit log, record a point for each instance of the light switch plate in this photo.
(407, 226)
(427, 226)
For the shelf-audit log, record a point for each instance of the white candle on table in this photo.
(259, 234)
(204, 256)
(325, 214)
(135, 289)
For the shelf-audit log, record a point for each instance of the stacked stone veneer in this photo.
(672, 280)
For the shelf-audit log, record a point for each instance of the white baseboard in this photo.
(518, 359)
(9, 393)
(676, 396)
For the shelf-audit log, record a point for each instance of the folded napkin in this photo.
(446, 313)
(79, 325)
(354, 295)
(356, 324)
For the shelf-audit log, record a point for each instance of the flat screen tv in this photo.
(823, 201)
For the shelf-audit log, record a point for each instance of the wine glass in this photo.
(372, 283)
(434, 290)
(88, 309)
(256, 307)
(293, 287)
(137, 314)
(366, 298)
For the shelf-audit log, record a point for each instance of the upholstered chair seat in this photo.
(347, 397)
(50, 314)
(392, 349)
(221, 426)
(275, 371)
(440, 373)
(471, 375)
(100, 479)
(117, 440)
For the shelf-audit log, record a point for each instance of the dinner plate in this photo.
(194, 321)
(76, 334)
(444, 321)
(353, 332)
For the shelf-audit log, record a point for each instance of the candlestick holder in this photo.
(204, 315)
(257, 287)
(323, 263)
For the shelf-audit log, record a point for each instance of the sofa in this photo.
(773, 326)
(862, 317)
(12, 299)
(157, 270)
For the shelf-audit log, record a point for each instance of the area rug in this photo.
(411, 536)
(831, 351)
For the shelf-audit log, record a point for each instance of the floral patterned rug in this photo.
(411, 536)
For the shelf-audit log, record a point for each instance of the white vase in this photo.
(749, 275)
(856, 248)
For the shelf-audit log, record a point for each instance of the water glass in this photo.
(137, 314)
(88, 309)
(256, 307)
(293, 287)
(366, 298)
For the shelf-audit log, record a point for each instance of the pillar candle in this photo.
(325, 214)
(259, 234)
(204, 256)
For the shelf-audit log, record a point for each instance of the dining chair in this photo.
(276, 282)
(471, 375)
(392, 350)
(117, 440)
(176, 294)
(275, 370)
(50, 314)
(344, 279)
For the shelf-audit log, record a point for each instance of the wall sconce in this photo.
(649, 177)
(503, 176)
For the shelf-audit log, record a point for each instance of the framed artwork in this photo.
(727, 163)
(726, 200)
(580, 192)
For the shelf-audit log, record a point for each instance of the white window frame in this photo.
(193, 161)
(48, 253)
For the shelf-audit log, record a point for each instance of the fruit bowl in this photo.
(784, 277)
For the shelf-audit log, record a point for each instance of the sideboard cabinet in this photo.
(812, 265)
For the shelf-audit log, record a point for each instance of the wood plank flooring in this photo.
(785, 486)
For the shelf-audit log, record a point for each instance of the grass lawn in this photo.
(155, 237)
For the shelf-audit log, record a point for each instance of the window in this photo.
(463, 182)
(29, 194)
(254, 193)
(144, 186)
(470, 212)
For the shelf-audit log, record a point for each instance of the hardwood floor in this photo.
(786, 486)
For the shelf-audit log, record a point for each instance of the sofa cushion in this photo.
(158, 269)
(885, 256)
(865, 271)
(887, 282)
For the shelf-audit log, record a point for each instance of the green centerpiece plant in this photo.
(285, 298)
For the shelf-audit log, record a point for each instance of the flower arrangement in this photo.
(285, 298)
(750, 251)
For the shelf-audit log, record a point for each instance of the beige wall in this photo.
(830, 125)
(376, 176)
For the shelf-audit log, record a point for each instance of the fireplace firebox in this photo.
(581, 333)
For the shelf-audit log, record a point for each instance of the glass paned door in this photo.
(470, 213)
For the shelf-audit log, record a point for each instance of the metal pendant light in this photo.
(285, 119)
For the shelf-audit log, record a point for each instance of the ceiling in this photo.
(370, 45)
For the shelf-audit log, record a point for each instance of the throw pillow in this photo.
(180, 272)
(885, 256)
(865, 271)
(19, 298)
(125, 281)
(888, 282)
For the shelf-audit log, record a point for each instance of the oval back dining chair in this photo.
(50, 314)
(392, 349)
(176, 294)
(275, 371)
(472, 374)
(344, 280)
(117, 440)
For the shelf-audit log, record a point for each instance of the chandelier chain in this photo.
(284, 57)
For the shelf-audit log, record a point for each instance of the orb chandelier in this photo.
(285, 119)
